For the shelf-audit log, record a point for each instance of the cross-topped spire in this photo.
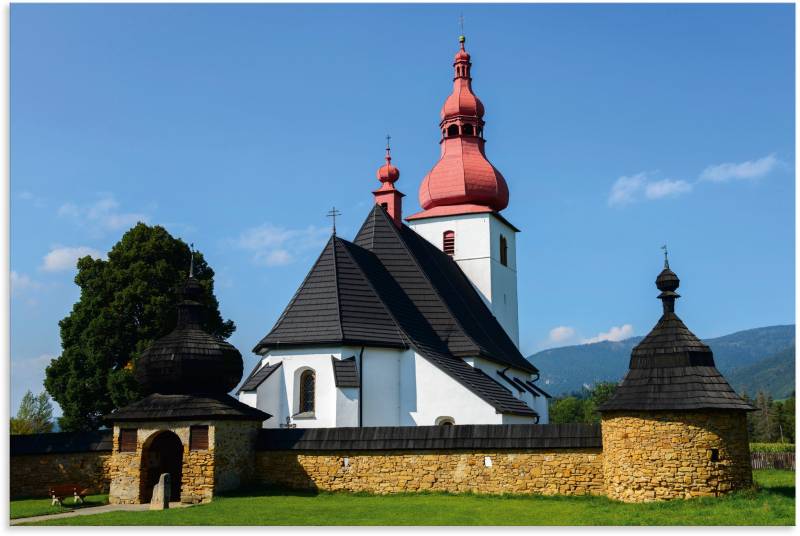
(461, 37)
(332, 213)
(191, 261)
(666, 256)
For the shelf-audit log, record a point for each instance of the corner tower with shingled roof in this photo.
(674, 427)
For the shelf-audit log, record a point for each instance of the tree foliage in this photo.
(126, 303)
(581, 407)
(35, 415)
(773, 421)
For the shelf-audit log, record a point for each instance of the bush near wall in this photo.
(772, 447)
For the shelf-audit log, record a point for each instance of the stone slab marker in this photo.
(161, 491)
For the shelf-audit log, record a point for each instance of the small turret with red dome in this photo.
(387, 196)
(463, 180)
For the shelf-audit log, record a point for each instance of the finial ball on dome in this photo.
(667, 281)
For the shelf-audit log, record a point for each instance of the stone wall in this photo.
(32, 475)
(234, 453)
(558, 471)
(666, 455)
(197, 474)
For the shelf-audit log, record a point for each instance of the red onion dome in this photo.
(387, 172)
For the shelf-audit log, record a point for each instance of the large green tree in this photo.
(126, 302)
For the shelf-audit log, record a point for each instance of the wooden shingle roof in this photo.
(182, 407)
(391, 288)
(671, 369)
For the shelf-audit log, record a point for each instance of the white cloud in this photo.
(102, 215)
(633, 188)
(626, 189)
(666, 188)
(616, 333)
(22, 282)
(751, 169)
(561, 334)
(273, 245)
(65, 258)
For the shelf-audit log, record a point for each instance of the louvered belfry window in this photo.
(503, 251)
(449, 242)
(198, 438)
(307, 381)
(127, 440)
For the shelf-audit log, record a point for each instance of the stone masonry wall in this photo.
(652, 455)
(234, 453)
(32, 475)
(562, 471)
(197, 474)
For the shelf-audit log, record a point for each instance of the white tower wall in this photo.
(477, 252)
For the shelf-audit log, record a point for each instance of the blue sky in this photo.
(617, 127)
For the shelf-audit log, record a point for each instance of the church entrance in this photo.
(162, 453)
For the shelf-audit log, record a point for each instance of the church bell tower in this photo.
(462, 197)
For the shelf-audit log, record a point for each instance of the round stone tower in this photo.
(674, 427)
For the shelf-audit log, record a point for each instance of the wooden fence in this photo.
(772, 460)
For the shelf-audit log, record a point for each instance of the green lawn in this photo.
(40, 507)
(771, 504)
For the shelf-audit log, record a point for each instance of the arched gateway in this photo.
(161, 453)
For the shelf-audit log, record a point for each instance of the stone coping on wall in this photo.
(468, 436)
(61, 443)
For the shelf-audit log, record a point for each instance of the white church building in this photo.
(410, 324)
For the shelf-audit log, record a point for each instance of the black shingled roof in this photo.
(179, 407)
(395, 289)
(345, 372)
(334, 305)
(468, 436)
(258, 376)
(671, 369)
(61, 442)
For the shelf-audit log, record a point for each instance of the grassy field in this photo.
(40, 507)
(771, 504)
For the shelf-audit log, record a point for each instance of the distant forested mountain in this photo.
(751, 360)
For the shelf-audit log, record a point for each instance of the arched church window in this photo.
(503, 251)
(467, 130)
(307, 387)
(385, 206)
(449, 242)
(445, 421)
(452, 130)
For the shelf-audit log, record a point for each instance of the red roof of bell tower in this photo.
(387, 196)
(463, 180)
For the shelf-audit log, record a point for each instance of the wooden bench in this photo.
(60, 492)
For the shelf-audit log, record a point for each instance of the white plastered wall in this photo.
(477, 252)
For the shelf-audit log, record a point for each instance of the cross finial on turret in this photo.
(461, 37)
(191, 261)
(332, 213)
(666, 256)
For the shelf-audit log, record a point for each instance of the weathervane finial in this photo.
(191, 261)
(461, 37)
(666, 256)
(332, 213)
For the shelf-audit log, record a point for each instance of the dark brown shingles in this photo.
(186, 407)
(334, 305)
(345, 372)
(258, 376)
(61, 442)
(498, 436)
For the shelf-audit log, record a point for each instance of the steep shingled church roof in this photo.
(671, 369)
(391, 288)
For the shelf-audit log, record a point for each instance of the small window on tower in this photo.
(449, 243)
(467, 130)
(385, 206)
(503, 251)
(452, 130)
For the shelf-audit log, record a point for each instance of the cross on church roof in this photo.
(666, 257)
(332, 213)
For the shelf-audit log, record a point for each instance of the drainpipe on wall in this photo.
(360, 385)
